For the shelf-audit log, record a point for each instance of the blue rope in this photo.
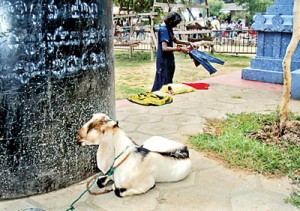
(109, 173)
(71, 208)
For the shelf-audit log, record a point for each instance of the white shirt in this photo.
(216, 25)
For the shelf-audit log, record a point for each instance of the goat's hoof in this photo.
(101, 182)
(119, 191)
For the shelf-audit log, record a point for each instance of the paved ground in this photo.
(210, 186)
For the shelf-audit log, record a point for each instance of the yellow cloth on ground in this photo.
(177, 89)
(150, 98)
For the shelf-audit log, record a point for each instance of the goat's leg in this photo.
(138, 188)
(103, 180)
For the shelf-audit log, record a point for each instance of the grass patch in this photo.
(294, 199)
(125, 89)
(226, 139)
(138, 58)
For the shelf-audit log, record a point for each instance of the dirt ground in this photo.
(269, 134)
(139, 77)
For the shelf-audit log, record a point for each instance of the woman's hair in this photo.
(172, 19)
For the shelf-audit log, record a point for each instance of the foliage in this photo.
(215, 7)
(224, 16)
(255, 6)
(240, 16)
(138, 6)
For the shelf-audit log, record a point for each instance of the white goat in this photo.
(136, 168)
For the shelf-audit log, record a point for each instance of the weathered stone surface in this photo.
(259, 200)
(56, 70)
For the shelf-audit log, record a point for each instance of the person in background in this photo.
(223, 28)
(142, 30)
(232, 28)
(239, 27)
(165, 60)
(216, 29)
(201, 20)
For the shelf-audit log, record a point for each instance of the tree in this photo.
(215, 7)
(286, 65)
(138, 6)
(255, 6)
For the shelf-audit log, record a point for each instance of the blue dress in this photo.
(165, 61)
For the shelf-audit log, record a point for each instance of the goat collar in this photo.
(114, 166)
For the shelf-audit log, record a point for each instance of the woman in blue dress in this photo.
(165, 61)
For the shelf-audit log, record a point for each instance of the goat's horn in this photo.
(107, 119)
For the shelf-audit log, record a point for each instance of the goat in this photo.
(136, 168)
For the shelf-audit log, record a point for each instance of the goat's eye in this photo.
(90, 127)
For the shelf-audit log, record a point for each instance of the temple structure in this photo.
(274, 34)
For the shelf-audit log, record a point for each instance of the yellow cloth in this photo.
(177, 89)
(150, 98)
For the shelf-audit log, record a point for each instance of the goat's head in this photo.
(92, 131)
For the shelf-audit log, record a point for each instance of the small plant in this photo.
(294, 199)
(236, 97)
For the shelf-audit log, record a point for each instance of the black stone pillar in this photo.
(56, 70)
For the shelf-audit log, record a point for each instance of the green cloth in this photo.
(150, 98)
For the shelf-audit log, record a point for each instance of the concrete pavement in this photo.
(211, 185)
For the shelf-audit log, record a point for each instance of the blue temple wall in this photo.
(274, 34)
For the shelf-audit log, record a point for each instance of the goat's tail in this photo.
(180, 153)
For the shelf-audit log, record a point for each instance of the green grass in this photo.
(125, 89)
(139, 58)
(294, 199)
(236, 150)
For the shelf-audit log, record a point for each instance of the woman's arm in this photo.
(181, 42)
(166, 48)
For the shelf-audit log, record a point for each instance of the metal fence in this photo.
(236, 42)
(233, 42)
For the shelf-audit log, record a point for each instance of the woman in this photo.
(165, 61)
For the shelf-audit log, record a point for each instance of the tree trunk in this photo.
(286, 65)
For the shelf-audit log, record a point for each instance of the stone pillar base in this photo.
(268, 76)
(295, 84)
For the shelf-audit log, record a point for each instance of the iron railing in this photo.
(233, 42)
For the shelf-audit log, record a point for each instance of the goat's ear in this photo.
(105, 155)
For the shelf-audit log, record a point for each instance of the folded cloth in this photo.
(150, 98)
(197, 85)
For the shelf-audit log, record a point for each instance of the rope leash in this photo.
(110, 172)
(96, 193)
(95, 178)
(71, 208)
